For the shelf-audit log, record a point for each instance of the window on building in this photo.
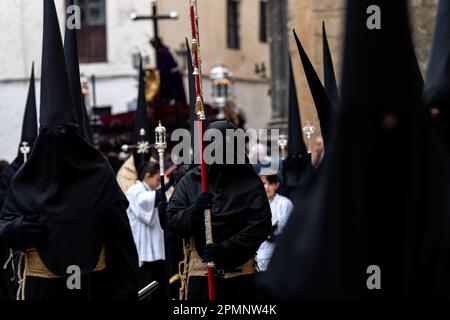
(263, 20)
(92, 35)
(233, 24)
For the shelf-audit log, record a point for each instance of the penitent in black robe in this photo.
(241, 221)
(70, 193)
(117, 282)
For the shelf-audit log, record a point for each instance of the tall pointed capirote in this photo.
(296, 145)
(28, 137)
(328, 70)
(56, 104)
(29, 124)
(297, 166)
(73, 68)
(322, 102)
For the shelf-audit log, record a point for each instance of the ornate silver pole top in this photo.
(25, 150)
(282, 143)
(308, 130)
(160, 137)
(160, 145)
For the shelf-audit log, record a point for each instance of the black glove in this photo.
(162, 212)
(158, 197)
(203, 202)
(273, 237)
(24, 233)
(214, 252)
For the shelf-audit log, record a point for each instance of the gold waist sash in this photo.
(34, 267)
(198, 268)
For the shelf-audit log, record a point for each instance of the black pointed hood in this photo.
(73, 68)
(66, 184)
(297, 166)
(29, 124)
(296, 145)
(328, 70)
(323, 104)
(437, 88)
(141, 121)
(372, 200)
(56, 105)
(29, 134)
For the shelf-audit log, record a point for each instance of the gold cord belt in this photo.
(193, 266)
(34, 267)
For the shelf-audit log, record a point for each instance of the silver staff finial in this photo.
(308, 130)
(282, 143)
(160, 145)
(25, 150)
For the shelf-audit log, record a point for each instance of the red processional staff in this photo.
(201, 119)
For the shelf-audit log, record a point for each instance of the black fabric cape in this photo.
(119, 281)
(379, 199)
(69, 184)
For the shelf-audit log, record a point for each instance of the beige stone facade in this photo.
(306, 17)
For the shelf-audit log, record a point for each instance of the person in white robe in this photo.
(144, 197)
(281, 208)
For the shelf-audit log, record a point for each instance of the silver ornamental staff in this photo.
(160, 146)
(282, 143)
(308, 130)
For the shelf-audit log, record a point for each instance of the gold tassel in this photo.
(194, 46)
(199, 106)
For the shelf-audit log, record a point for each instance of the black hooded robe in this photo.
(241, 221)
(75, 238)
(65, 203)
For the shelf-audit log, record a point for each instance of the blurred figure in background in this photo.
(319, 152)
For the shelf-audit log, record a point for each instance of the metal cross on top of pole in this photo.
(155, 18)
